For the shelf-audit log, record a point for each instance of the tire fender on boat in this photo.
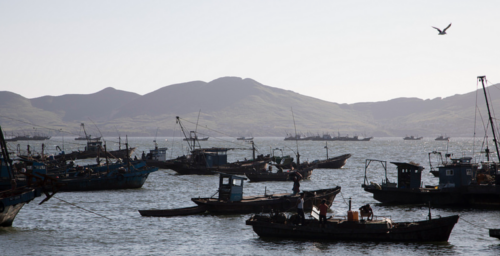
(120, 177)
(2, 207)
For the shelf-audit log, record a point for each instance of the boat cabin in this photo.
(230, 188)
(94, 145)
(158, 154)
(409, 175)
(460, 172)
(210, 156)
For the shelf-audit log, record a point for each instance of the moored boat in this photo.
(441, 137)
(351, 228)
(304, 169)
(412, 138)
(232, 201)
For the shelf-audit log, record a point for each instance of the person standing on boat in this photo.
(323, 208)
(300, 208)
(296, 183)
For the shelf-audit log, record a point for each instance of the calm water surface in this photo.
(58, 228)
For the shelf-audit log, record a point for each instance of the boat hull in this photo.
(233, 168)
(268, 203)
(278, 176)
(435, 230)
(173, 212)
(123, 154)
(131, 180)
(471, 196)
(11, 203)
(333, 163)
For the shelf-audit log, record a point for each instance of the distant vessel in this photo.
(441, 137)
(29, 137)
(244, 138)
(412, 138)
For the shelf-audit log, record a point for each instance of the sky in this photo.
(337, 51)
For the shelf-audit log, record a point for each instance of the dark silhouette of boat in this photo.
(95, 149)
(441, 137)
(14, 196)
(336, 162)
(86, 136)
(351, 228)
(412, 138)
(461, 181)
(244, 138)
(305, 170)
(214, 160)
(232, 201)
(332, 163)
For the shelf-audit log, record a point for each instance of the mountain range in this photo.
(232, 106)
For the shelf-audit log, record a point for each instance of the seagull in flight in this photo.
(444, 30)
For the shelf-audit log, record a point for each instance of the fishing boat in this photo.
(412, 138)
(207, 161)
(332, 163)
(279, 225)
(86, 137)
(281, 174)
(441, 137)
(461, 181)
(157, 157)
(244, 138)
(13, 198)
(230, 200)
(193, 136)
(95, 149)
(124, 176)
(347, 138)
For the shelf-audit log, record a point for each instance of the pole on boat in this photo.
(326, 146)
(296, 138)
(482, 78)
(430, 215)
(253, 150)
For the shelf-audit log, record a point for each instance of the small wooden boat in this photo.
(412, 138)
(280, 175)
(173, 212)
(383, 229)
(232, 201)
(332, 163)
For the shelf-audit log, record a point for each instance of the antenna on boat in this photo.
(482, 79)
(296, 139)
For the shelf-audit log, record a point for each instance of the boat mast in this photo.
(5, 156)
(84, 132)
(482, 79)
(326, 146)
(178, 120)
(296, 139)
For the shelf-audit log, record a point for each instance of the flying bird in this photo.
(444, 30)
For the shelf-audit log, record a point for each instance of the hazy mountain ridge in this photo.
(242, 107)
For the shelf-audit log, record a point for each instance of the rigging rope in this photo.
(82, 208)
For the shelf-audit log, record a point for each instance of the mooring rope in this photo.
(82, 208)
(343, 198)
(475, 225)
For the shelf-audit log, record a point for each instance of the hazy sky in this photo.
(338, 51)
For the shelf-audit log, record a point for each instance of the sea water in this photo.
(108, 222)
